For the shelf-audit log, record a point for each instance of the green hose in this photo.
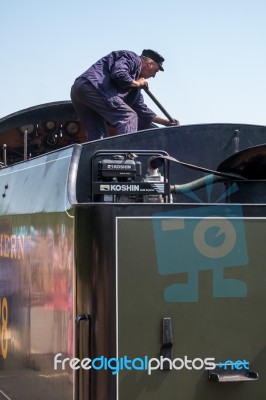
(197, 184)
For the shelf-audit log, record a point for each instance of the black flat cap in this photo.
(154, 56)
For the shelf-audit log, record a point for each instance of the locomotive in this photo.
(131, 267)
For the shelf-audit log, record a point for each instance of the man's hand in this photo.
(141, 82)
(172, 123)
(165, 122)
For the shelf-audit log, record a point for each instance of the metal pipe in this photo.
(158, 104)
(4, 154)
(25, 144)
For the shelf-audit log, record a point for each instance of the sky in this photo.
(214, 50)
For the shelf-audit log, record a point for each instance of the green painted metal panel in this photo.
(218, 315)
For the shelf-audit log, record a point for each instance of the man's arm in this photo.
(125, 70)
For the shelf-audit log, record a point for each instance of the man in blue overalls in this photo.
(109, 93)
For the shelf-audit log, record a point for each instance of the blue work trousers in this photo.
(96, 112)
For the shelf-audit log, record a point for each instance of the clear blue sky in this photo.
(215, 51)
